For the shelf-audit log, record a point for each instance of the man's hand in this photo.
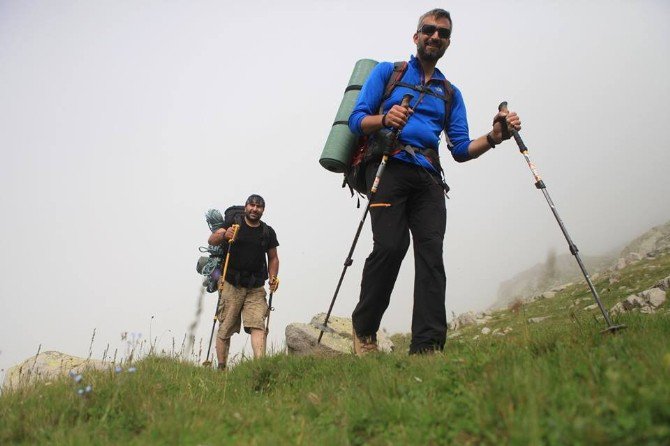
(230, 232)
(503, 124)
(397, 116)
(274, 283)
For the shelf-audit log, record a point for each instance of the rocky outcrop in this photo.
(48, 366)
(558, 272)
(647, 301)
(656, 240)
(469, 318)
(529, 285)
(301, 339)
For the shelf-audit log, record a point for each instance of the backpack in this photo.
(210, 266)
(371, 147)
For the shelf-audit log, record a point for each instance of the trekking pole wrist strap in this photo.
(384, 119)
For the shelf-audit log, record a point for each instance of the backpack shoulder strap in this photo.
(265, 235)
(448, 101)
(399, 69)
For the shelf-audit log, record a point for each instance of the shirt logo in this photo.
(439, 90)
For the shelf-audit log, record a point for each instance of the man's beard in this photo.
(434, 56)
(252, 218)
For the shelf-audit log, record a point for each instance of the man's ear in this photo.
(416, 38)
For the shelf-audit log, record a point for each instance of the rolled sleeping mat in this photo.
(341, 143)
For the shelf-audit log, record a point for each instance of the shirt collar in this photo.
(437, 74)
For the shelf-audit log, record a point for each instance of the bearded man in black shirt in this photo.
(253, 259)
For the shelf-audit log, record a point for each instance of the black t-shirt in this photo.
(247, 253)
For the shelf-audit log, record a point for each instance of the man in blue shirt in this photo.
(411, 195)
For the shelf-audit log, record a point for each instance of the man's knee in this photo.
(391, 251)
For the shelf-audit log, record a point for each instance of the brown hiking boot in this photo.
(364, 344)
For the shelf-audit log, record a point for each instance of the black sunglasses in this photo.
(429, 30)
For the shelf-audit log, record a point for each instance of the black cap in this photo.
(256, 199)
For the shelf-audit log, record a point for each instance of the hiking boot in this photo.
(364, 344)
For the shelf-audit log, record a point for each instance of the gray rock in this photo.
(653, 296)
(633, 257)
(632, 302)
(591, 307)
(620, 264)
(48, 366)
(483, 320)
(548, 294)
(463, 320)
(301, 339)
(486, 330)
(664, 284)
(537, 320)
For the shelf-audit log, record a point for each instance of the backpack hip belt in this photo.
(246, 279)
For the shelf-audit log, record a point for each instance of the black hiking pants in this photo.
(407, 200)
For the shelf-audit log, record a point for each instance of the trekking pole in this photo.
(373, 190)
(539, 183)
(207, 361)
(267, 324)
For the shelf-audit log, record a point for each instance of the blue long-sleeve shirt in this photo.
(424, 126)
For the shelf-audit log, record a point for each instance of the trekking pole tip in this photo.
(613, 328)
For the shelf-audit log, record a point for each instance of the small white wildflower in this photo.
(132, 369)
(80, 391)
(88, 389)
(417, 379)
(78, 378)
(118, 369)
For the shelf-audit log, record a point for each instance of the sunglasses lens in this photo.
(429, 30)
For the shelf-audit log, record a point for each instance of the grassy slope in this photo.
(558, 382)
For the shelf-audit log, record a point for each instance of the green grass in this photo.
(556, 383)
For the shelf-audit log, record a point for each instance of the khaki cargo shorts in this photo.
(240, 304)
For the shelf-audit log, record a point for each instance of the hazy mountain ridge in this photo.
(561, 269)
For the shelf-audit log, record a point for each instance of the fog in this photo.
(121, 123)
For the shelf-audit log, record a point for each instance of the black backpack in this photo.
(370, 148)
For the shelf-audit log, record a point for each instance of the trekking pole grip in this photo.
(519, 142)
(235, 229)
(405, 100)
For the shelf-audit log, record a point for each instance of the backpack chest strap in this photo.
(423, 89)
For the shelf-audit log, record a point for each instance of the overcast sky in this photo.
(122, 122)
